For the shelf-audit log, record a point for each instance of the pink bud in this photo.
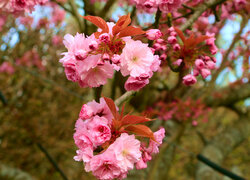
(194, 123)
(199, 63)
(214, 59)
(93, 45)
(176, 47)
(81, 54)
(170, 30)
(189, 80)
(210, 65)
(100, 62)
(160, 41)
(196, 72)
(105, 38)
(153, 34)
(205, 73)
(173, 34)
(163, 48)
(178, 62)
(116, 59)
(153, 50)
(142, 77)
(206, 58)
(163, 57)
(157, 46)
(172, 40)
(148, 4)
(105, 57)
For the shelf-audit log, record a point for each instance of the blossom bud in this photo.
(93, 45)
(176, 47)
(210, 65)
(148, 4)
(163, 57)
(160, 41)
(157, 46)
(81, 54)
(194, 123)
(105, 38)
(205, 73)
(153, 50)
(105, 57)
(196, 72)
(199, 63)
(206, 58)
(214, 59)
(142, 77)
(163, 48)
(178, 62)
(173, 33)
(153, 34)
(170, 30)
(116, 59)
(189, 80)
(172, 40)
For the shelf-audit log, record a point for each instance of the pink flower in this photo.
(81, 137)
(196, 72)
(105, 166)
(105, 38)
(154, 34)
(133, 84)
(167, 6)
(136, 58)
(153, 146)
(7, 68)
(176, 47)
(211, 43)
(199, 63)
(178, 62)
(205, 73)
(141, 164)
(189, 80)
(96, 76)
(116, 59)
(84, 155)
(93, 108)
(172, 40)
(98, 129)
(127, 150)
(210, 65)
(70, 70)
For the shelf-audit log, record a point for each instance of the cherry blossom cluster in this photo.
(18, 7)
(107, 143)
(193, 53)
(91, 60)
(182, 111)
(7, 67)
(151, 6)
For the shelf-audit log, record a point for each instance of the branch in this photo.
(106, 8)
(88, 8)
(221, 146)
(124, 97)
(199, 10)
(52, 161)
(75, 14)
(229, 95)
(225, 57)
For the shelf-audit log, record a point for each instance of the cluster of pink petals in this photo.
(94, 128)
(85, 64)
(17, 7)
(150, 6)
(6, 67)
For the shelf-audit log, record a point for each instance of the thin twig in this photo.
(106, 8)
(124, 97)
(52, 161)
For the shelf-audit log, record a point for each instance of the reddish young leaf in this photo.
(131, 31)
(112, 107)
(122, 23)
(201, 39)
(141, 130)
(180, 34)
(132, 119)
(99, 22)
(190, 41)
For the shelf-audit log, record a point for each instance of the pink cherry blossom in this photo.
(136, 58)
(105, 166)
(133, 84)
(153, 146)
(127, 150)
(154, 34)
(189, 80)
